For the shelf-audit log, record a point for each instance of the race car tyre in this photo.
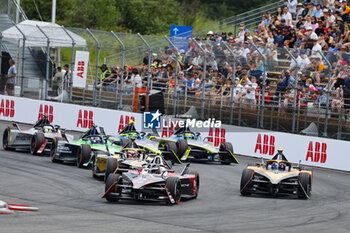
(84, 155)
(112, 186)
(173, 185)
(226, 147)
(171, 147)
(53, 150)
(196, 174)
(5, 138)
(124, 142)
(111, 166)
(36, 142)
(305, 183)
(247, 175)
(182, 146)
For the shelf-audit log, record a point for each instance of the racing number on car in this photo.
(46, 109)
(267, 146)
(319, 154)
(7, 108)
(123, 121)
(218, 137)
(85, 119)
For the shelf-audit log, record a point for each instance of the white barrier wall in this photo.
(69, 116)
(313, 151)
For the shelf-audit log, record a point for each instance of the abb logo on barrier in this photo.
(168, 128)
(46, 109)
(217, 136)
(265, 145)
(318, 153)
(7, 108)
(85, 119)
(123, 121)
(80, 69)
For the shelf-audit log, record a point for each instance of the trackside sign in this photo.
(315, 151)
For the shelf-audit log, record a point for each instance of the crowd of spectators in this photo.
(307, 28)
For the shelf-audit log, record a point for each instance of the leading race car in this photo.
(276, 177)
(191, 145)
(157, 182)
(83, 150)
(149, 142)
(37, 140)
(130, 157)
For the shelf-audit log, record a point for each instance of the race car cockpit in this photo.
(44, 123)
(186, 133)
(129, 128)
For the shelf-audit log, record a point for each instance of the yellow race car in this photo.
(276, 177)
(127, 159)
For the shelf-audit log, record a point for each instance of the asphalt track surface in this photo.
(70, 200)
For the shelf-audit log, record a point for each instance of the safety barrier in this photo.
(315, 151)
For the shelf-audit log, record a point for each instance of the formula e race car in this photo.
(155, 183)
(150, 142)
(277, 177)
(83, 150)
(37, 140)
(188, 144)
(130, 157)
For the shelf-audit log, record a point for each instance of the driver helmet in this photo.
(95, 140)
(280, 150)
(47, 129)
(274, 166)
(188, 136)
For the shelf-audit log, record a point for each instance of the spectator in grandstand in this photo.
(292, 6)
(105, 73)
(287, 16)
(111, 80)
(249, 88)
(280, 89)
(319, 11)
(57, 81)
(299, 11)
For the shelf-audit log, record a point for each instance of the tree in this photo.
(148, 16)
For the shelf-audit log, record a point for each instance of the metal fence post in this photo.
(72, 64)
(9, 7)
(148, 69)
(233, 79)
(122, 75)
(47, 61)
(328, 91)
(23, 51)
(176, 74)
(295, 87)
(203, 79)
(262, 103)
(97, 62)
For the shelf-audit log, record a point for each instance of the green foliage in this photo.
(148, 16)
(143, 16)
